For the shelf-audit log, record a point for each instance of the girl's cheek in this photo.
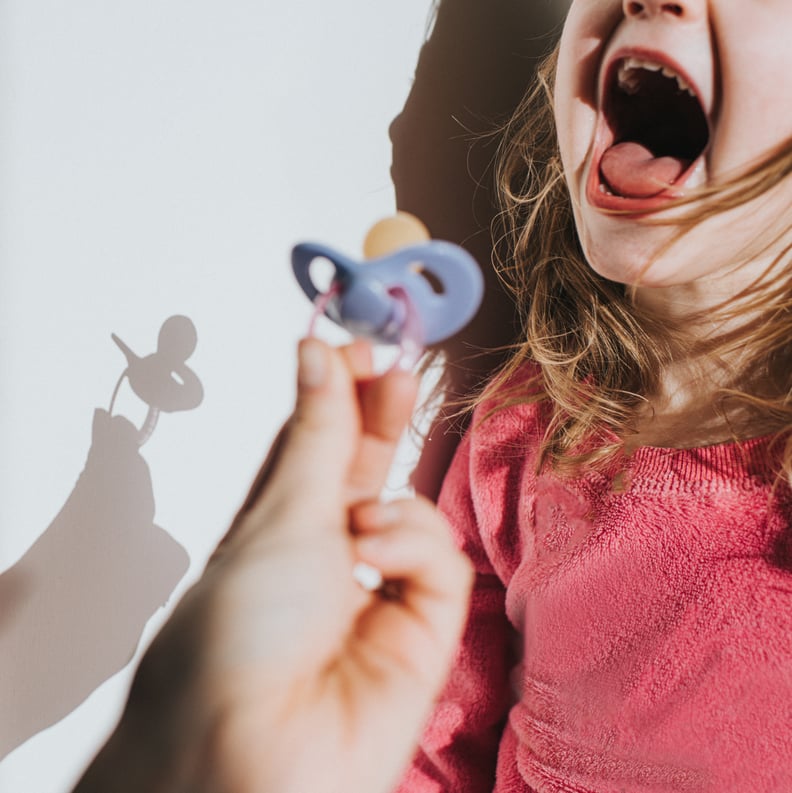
(580, 55)
(589, 26)
(576, 123)
(755, 114)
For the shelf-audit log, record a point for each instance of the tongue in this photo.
(632, 171)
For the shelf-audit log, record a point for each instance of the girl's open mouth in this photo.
(653, 132)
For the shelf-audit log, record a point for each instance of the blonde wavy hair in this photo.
(597, 354)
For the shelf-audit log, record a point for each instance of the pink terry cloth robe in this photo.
(620, 640)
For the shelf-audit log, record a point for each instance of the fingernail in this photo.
(367, 576)
(311, 364)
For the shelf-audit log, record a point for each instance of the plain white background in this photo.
(161, 158)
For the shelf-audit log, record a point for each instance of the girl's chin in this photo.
(630, 265)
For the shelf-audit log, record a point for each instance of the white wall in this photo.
(160, 158)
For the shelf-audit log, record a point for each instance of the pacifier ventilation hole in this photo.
(437, 286)
(322, 273)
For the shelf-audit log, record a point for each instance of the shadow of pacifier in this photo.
(408, 290)
(163, 380)
(74, 607)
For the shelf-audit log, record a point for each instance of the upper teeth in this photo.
(629, 79)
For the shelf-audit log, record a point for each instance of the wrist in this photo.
(162, 743)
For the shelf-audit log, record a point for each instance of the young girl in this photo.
(623, 491)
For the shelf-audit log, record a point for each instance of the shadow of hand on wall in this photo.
(73, 608)
(472, 72)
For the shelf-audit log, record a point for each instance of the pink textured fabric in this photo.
(619, 642)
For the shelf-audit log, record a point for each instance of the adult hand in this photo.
(278, 671)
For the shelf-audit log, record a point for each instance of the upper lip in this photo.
(663, 61)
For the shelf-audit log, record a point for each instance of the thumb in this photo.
(305, 468)
(322, 433)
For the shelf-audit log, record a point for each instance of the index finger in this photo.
(386, 405)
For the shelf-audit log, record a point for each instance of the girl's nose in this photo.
(643, 9)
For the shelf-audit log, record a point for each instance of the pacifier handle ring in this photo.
(321, 302)
(411, 343)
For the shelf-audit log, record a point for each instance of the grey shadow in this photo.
(73, 608)
(474, 68)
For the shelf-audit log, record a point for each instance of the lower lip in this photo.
(633, 206)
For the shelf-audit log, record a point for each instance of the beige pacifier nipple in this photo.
(392, 233)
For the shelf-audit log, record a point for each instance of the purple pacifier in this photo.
(410, 294)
